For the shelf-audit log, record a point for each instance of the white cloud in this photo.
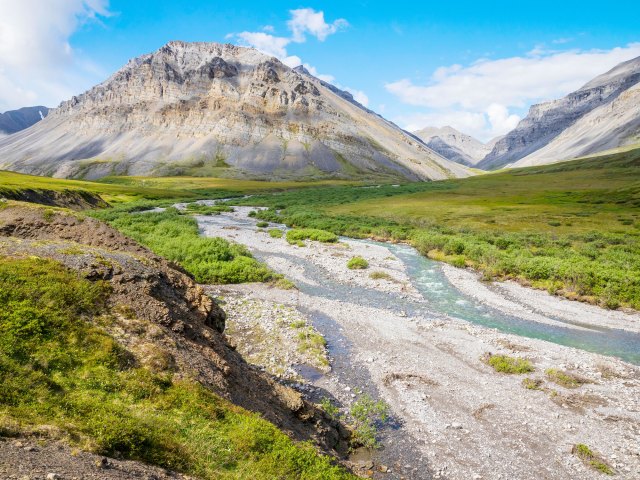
(359, 96)
(307, 20)
(37, 62)
(266, 43)
(303, 21)
(492, 89)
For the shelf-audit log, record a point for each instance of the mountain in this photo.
(15, 120)
(207, 108)
(602, 114)
(454, 145)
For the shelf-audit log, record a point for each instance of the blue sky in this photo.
(475, 65)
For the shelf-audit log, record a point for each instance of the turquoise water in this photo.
(428, 277)
(443, 300)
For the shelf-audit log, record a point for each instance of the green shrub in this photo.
(297, 235)
(201, 209)
(367, 415)
(532, 383)
(275, 233)
(590, 458)
(564, 379)
(262, 224)
(357, 263)
(507, 364)
(380, 275)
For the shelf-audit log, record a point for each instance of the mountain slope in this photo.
(205, 108)
(16, 120)
(610, 126)
(454, 145)
(548, 121)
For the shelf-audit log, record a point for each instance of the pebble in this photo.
(53, 476)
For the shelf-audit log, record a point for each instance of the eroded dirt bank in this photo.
(458, 418)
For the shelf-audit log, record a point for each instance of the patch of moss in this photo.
(564, 379)
(592, 459)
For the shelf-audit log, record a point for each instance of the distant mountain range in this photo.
(602, 115)
(15, 120)
(224, 110)
(455, 145)
(213, 109)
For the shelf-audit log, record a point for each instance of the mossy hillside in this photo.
(59, 368)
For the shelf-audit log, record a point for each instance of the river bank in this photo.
(456, 417)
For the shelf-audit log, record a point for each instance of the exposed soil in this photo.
(25, 459)
(73, 199)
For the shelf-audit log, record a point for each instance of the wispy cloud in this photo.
(303, 22)
(481, 97)
(37, 63)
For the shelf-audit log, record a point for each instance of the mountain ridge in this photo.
(547, 121)
(455, 145)
(13, 121)
(196, 108)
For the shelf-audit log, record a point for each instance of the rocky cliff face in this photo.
(15, 120)
(547, 121)
(205, 108)
(455, 145)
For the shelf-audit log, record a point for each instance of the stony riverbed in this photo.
(453, 415)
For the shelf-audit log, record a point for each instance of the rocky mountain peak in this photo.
(209, 108)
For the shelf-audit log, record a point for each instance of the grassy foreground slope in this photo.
(572, 228)
(59, 368)
(117, 190)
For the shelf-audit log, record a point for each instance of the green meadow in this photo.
(571, 228)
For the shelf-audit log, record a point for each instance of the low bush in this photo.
(564, 379)
(201, 209)
(262, 224)
(507, 364)
(357, 263)
(532, 383)
(367, 416)
(380, 275)
(297, 235)
(275, 233)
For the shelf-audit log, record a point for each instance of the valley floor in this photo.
(454, 416)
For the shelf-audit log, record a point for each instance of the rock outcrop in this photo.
(602, 114)
(207, 108)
